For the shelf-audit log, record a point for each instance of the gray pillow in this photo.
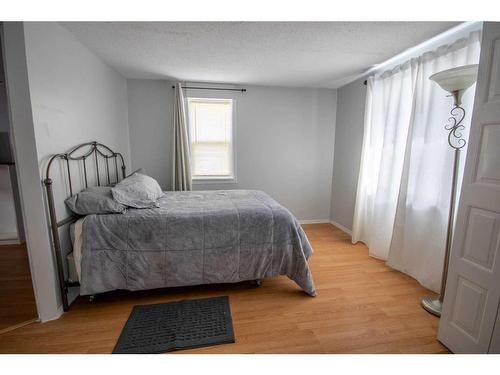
(138, 190)
(94, 200)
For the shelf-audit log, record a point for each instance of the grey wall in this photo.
(75, 97)
(8, 223)
(150, 111)
(8, 218)
(4, 117)
(284, 141)
(347, 151)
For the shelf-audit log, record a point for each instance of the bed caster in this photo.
(91, 298)
(256, 283)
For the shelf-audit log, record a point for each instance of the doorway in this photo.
(17, 299)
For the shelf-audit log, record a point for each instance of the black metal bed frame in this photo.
(82, 152)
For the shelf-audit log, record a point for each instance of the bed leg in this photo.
(256, 283)
(91, 298)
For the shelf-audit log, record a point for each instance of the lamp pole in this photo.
(455, 140)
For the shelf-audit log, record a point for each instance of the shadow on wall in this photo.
(347, 151)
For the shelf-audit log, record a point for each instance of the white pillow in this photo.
(137, 190)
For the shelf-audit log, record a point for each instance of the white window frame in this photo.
(201, 180)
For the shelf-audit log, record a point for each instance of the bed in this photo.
(190, 238)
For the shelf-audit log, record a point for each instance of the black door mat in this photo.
(178, 325)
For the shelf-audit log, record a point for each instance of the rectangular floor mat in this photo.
(178, 325)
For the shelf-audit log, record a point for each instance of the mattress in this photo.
(192, 238)
(74, 259)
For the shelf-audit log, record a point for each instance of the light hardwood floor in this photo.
(362, 307)
(17, 301)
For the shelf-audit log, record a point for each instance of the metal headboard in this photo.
(86, 152)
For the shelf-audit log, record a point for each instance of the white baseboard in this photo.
(15, 241)
(341, 227)
(19, 325)
(58, 313)
(319, 221)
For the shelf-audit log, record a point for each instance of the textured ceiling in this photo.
(300, 54)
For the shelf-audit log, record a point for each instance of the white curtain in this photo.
(181, 172)
(404, 184)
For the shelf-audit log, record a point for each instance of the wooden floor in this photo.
(17, 302)
(362, 307)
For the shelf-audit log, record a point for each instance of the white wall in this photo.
(284, 141)
(348, 140)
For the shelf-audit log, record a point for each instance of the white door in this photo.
(473, 288)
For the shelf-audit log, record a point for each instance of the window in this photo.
(211, 137)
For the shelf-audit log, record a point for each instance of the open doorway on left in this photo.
(17, 300)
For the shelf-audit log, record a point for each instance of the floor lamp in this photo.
(456, 81)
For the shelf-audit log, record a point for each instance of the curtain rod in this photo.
(211, 88)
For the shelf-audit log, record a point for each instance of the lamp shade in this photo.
(456, 79)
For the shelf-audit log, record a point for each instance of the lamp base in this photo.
(432, 305)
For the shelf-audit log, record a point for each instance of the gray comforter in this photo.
(195, 238)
